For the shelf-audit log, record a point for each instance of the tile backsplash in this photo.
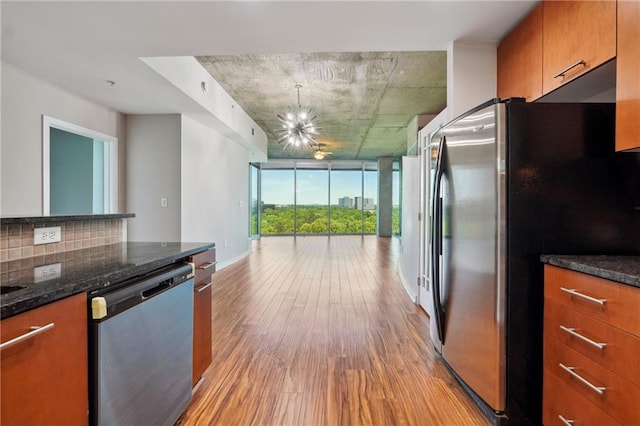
(16, 240)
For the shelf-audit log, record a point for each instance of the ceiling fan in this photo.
(319, 152)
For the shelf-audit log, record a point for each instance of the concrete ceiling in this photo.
(363, 101)
(79, 45)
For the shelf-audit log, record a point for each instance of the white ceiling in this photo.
(80, 45)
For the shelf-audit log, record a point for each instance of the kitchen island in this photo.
(48, 336)
(35, 281)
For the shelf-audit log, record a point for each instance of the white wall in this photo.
(215, 191)
(25, 98)
(219, 110)
(153, 172)
(471, 76)
(203, 174)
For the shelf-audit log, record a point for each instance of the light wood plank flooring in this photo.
(319, 331)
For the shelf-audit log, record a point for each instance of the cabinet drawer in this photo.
(562, 400)
(44, 376)
(205, 264)
(619, 351)
(613, 303)
(617, 397)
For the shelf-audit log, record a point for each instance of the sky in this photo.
(277, 186)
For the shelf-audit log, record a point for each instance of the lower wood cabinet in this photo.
(205, 266)
(591, 347)
(44, 374)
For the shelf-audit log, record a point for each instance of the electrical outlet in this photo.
(47, 235)
(164, 202)
(225, 243)
(47, 272)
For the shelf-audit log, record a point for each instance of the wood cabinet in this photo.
(205, 265)
(45, 376)
(591, 344)
(628, 76)
(520, 59)
(577, 37)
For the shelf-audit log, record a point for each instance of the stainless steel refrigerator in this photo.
(510, 181)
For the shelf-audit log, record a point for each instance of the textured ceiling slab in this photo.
(363, 101)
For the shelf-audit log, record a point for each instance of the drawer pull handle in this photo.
(573, 292)
(569, 68)
(35, 330)
(565, 421)
(597, 389)
(207, 265)
(204, 287)
(574, 333)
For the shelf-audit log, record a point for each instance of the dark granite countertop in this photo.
(62, 218)
(623, 269)
(51, 277)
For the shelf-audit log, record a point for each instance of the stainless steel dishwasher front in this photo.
(141, 345)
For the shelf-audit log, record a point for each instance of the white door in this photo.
(409, 260)
(424, 293)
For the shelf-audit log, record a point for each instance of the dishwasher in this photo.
(141, 348)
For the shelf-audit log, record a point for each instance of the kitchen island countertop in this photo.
(622, 269)
(35, 281)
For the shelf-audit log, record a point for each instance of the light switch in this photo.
(164, 202)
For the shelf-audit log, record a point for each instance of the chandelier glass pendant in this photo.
(298, 131)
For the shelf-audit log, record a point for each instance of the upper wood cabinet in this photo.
(520, 59)
(577, 37)
(628, 76)
(44, 366)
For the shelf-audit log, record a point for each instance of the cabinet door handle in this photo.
(565, 421)
(573, 292)
(204, 287)
(597, 389)
(207, 265)
(570, 67)
(574, 333)
(35, 330)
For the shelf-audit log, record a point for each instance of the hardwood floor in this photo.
(319, 331)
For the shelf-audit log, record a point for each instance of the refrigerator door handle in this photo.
(436, 246)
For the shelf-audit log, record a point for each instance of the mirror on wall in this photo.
(79, 170)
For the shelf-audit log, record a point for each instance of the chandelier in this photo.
(298, 131)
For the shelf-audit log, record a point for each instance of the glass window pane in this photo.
(395, 200)
(277, 202)
(370, 201)
(254, 201)
(346, 185)
(311, 201)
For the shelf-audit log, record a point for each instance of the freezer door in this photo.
(472, 287)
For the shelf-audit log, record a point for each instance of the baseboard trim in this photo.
(222, 265)
(407, 288)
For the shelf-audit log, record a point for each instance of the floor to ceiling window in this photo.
(396, 205)
(311, 198)
(254, 197)
(369, 202)
(277, 202)
(346, 185)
